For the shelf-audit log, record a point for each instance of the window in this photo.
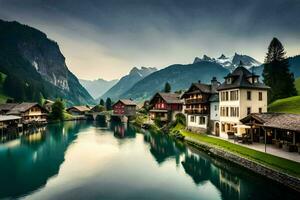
(234, 111)
(260, 96)
(201, 120)
(226, 97)
(234, 95)
(216, 107)
(248, 110)
(248, 95)
(192, 118)
(259, 110)
(227, 109)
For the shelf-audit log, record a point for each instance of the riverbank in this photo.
(284, 171)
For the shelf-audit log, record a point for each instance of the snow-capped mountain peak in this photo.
(230, 62)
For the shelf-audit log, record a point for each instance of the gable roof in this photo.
(127, 102)
(240, 80)
(23, 107)
(7, 106)
(276, 120)
(80, 108)
(170, 98)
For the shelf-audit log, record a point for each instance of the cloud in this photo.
(107, 38)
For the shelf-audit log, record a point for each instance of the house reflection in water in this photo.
(202, 170)
(163, 147)
(122, 130)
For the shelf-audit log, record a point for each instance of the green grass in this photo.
(274, 162)
(287, 105)
(297, 85)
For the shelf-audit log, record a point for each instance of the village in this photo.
(233, 109)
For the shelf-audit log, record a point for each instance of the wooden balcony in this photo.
(196, 111)
(195, 101)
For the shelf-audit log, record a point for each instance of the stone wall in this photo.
(280, 177)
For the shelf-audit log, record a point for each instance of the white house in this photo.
(240, 95)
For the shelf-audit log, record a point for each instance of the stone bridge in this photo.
(108, 116)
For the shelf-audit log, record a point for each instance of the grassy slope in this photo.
(277, 163)
(288, 105)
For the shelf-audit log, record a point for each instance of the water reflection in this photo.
(28, 163)
(34, 158)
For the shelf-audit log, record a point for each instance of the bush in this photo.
(181, 119)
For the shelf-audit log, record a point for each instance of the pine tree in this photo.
(167, 88)
(276, 72)
(102, 103)
(108, 104)
(58, 108)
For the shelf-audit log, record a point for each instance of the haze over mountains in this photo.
(98, 87)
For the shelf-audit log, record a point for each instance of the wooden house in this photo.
(78, 110)
(29, 112)
(124, 107)
(197, 100)
(165, 106)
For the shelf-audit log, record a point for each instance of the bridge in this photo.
(107, 115)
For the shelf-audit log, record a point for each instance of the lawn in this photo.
(274, 162)
(287, 105)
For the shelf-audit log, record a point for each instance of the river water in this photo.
(90, 160)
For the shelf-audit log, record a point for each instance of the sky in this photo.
(105, 39)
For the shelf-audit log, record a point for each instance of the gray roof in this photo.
(171, 98)
(276, 120)
(240, 80)
(127, 102)
(80, 108)
(22, 107)
(8, 117)
(7, 106)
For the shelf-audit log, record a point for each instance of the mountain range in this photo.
(126, 82)
(34, 67)
(231, 62)
(98, 87)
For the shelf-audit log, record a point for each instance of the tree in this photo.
(58, 108)
(167, 87)
(108, 104)
(102, 103)
(276, 72)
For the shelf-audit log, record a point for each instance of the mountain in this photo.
(294, 66)
(179, 76)
(230, 62)
(98, 87)
(126, 82)
(35, 67)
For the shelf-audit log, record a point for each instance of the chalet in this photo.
(279, 129)
(197, 100)
(6, 107)
(165, 106)
(241, 94)
(124, 107)
(29, 112)
(78, 110)
(7, 121)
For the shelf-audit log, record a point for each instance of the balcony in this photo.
(195, 111)
(194, 101)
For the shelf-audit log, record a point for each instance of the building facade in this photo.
(165, 106)
(198, 106)
(125, 107)
(241, 94)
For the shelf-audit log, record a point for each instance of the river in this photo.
(90, 160)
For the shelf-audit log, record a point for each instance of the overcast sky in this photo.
(107, 38)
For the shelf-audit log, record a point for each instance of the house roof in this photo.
(8, 117)
(170, 98)
(7, 106)
(80, 108)
(127, 102)
(22, 107)
(276, 120)
(240, 80)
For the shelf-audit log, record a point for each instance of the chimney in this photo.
(199, 81)
(214, 84)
